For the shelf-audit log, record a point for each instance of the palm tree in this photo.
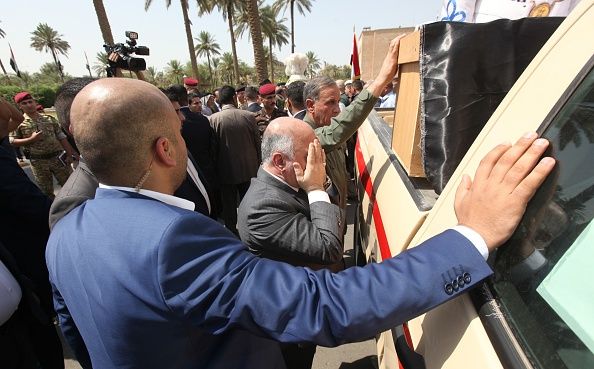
(175, 69)
(187, 23)
(151, 73)
(228, 8)
(226, 67)
(215, 67)
(47, 39)
(274, 31)
(313, 63)
(302, 6)
(207, 46)
(104, 27)
(253, 15)
(101, 65)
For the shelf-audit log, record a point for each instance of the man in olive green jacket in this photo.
(332, 127)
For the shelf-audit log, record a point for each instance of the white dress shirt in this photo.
(168, 199)
(196, 178)
(10, 294)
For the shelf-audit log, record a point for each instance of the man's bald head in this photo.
(118, 123)
(284, 135)
(286, 141)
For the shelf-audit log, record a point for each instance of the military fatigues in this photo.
(333, 138)
(44, 152)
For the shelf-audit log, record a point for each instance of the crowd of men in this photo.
(207, 230)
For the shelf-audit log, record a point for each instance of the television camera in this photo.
(123, 58)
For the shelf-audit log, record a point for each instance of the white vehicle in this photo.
(537, 311)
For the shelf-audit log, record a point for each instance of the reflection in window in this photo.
(559, 212)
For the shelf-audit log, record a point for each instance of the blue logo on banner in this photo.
(452, 14)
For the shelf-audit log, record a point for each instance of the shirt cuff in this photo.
(318, 195)
(476, 239)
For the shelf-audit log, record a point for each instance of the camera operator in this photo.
(120, 57)
(115, 57)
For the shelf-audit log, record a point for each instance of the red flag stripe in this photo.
(355, 59)
(365, 179)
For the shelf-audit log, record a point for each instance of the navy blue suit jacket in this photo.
(151, 285)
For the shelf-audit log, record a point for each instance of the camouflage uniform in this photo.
(44, 152)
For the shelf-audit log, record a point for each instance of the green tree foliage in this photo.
(101, 64)
(45, 38)
(187, 23)
(175, 71)
(206, 45)
(45, 94)
(228, 9)
(336, 72)
(302, 7)
(313, 64)
(273, 31)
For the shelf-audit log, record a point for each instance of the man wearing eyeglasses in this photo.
(42, 137)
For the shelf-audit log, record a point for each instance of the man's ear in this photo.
(309, 105)
(164, 152)
(278, 161)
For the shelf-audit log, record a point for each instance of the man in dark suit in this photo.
(286, 215)
(82, 183)
(238, 156)
(29, 337)
(295, 102)
(252, 99)
(135, 264)
(202, 144)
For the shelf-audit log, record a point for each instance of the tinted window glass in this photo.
(543, 278)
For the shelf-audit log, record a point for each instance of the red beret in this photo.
(22, 96)
(190, 81)
(267, 89)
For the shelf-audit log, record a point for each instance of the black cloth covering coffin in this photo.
(466, 71)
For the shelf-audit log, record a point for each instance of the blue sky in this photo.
(327, 30)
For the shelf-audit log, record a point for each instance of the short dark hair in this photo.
(251, 92)
(193, 95)
(358, 85)
(226, 95)
(64, 97)
(295, 94)
(181, 94)
(315, 85)
(172, 96)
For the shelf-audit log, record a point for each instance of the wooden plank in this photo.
(406, 134)
(409, 48)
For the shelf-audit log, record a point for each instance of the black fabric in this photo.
(201, 143)
(29, 336)
(466, 71)
(189, 190)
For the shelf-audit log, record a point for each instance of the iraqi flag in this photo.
(13, 63)
(355, 70)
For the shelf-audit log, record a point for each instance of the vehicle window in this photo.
(544, 276)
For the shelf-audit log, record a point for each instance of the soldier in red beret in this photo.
(191, 85)
(269, 110)
(41, 136)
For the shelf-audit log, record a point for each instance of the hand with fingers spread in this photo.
(505, 181)
(314, 175)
